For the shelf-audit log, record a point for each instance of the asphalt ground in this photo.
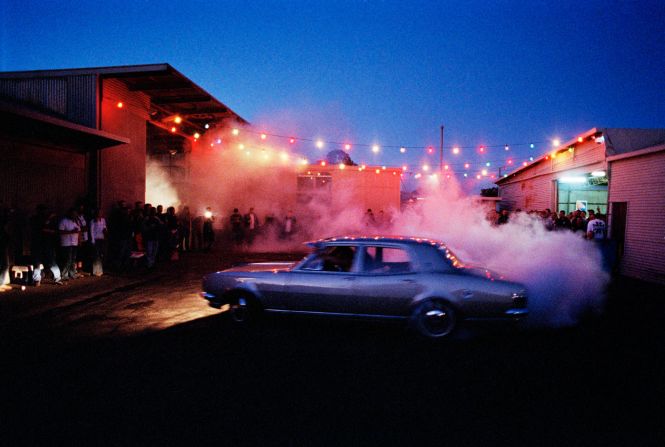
(139, 359)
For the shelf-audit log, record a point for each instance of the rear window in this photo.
(386, 260)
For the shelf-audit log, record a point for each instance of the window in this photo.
(386, 260)
(338, 258)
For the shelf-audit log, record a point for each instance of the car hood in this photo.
(261, 267)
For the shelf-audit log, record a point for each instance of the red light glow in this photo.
(292, 140)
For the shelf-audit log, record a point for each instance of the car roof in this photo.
(411, 240)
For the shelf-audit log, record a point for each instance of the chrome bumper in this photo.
(517, 313)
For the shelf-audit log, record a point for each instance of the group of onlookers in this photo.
(244, 229)
(592, 225)
(82, 242)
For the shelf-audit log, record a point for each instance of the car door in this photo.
(387, 281)
(322, 284)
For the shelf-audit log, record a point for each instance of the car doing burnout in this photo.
(420, 281)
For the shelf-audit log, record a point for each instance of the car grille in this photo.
(519, 300)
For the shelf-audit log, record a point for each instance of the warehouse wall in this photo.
(644, 249)
(123, 168)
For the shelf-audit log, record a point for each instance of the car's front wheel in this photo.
(244, 309)
(434, 318)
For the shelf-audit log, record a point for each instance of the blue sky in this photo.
(386, 72)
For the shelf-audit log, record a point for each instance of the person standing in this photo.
(235, 221)
(289, 225)
(252, 225)
(151, 232)
(596, 228)
(4, 250)
(98, 234)
(69, 230)
(208, 230)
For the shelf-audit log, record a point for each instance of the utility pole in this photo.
(441, 152)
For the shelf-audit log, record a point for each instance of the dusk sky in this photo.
(385, 72)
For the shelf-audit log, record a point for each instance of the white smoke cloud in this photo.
(159, 188)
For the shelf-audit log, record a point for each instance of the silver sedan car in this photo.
(417, 280)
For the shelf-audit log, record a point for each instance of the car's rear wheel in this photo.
(434, 318)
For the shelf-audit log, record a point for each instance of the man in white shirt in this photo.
(69, 230)
(596, 228)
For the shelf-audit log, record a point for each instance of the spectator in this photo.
(251, 225)
(368, 218)
(208, 229)
(185, 228)
(173, 238)
(98, 233)
(69, 231)
(562, 222)
(151, 231)
(503, 217)
(4, 250)
(595, 228)
(289, 227)
(235, 220)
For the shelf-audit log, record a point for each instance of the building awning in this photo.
(171, 93)
(32, 126)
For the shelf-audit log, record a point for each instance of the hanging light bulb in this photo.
(402, 149)
(506, 147)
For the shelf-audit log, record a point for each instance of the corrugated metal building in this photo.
(619, 171)
(86, 133)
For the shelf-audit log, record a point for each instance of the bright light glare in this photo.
(425, 168)
(347, 147)
(375, 148)
(342, 166)
(197, 135)
(264, 136)
(402, 149)
(178, 120)
(484, 172)
(319, 144)
(556, 142)
(455, 150)
(235, 132)
(598, 174)
(572, 179)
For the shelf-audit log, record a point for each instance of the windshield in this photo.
(452, 257)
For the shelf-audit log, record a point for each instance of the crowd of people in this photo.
(591, 225)
(83, 242)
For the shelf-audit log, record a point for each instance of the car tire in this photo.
(244, 309)
(434, 318)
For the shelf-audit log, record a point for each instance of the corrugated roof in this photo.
(170, 91)
(617, 141)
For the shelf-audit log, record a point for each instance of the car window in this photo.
(386, 260)
(338, 258)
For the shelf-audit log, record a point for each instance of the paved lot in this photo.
(140, 359)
